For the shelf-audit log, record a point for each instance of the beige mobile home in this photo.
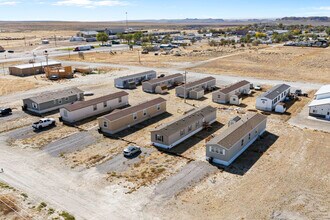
(32, 68)
(168, 81)
(171, 134)
(204, 84)
(126, 118)
(231, 94)
(86, 109)
(227, 146)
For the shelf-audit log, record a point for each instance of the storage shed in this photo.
(168, 81)
(50, 101)
(173, 133)
(85, 109)
(207, 83)
(196, 93)
(32, 68)
(228, 145)
(131, 81)
(128, 117)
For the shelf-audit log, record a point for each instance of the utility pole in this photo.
(55, 41)
(185, 83)
(126, 22)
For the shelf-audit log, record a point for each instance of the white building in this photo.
(94, 107)
(320, 106)
(268, 100)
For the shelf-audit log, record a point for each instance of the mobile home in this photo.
(231, 143)
(167, 81)
(204, 84)
(320, 106)
(128, 117)
(85, 109)
(232, 93)
(131, 81)
(268, 100)
(173, 133)
(50, 101)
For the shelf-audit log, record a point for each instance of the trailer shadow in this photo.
(192, 141)
(138, 127)
(249, 157)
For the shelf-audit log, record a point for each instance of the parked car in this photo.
(88, 93)
(131, 150)
(5, 111)
(257, 87)
(43, 123)
(145, 51)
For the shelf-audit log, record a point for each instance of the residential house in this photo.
(268, 100)
(167, 81)
(50, 101)
(190, 90)
(231, 143)
(128, 117)
(232, 94)
(87, 34)
(131, 81)
(173, 133)
(86, 109)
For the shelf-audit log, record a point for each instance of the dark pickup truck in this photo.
(5, 111)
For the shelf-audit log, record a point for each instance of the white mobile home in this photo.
(94, 107)
(131, 81)
(320, 106)
(268, 100)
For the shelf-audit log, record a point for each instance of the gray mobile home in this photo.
(173, 133)
(131, 81)
(231, 93)
(205, 84)
(168, 81)
(226, 147)
(128, 117)
(85, 109)
(50, 101)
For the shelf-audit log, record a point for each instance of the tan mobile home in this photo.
(227, 146)
(225, 95)
(173, 133)
(86, 109)
(168, 81)
(126, 118)
(32, 68)
(207, 83)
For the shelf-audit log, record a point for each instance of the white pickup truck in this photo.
(44, 122)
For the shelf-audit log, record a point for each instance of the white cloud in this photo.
(10, 3)
(324, 8)
(91, 3)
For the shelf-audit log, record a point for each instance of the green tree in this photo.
(328, 31)
(103, 37)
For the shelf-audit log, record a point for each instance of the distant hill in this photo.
(185, 21)
(316, 18)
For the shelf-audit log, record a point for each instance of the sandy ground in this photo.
(283, 175)
(286, 63)
(199, 51)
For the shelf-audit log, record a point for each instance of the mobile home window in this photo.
(158, 107)
(145, 112)
(105, 104)
(120, 100)
(60, 101)
(159, 138)
(189, 128)
(197, 124)
(65, 113)
(242, 143)
(94, 107)
(34, 105)
(134, 116)
(182, 132)
(66, 98)
(222, 151)
(105, 124)
(249, 136)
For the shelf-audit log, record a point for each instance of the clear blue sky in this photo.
(114, 10)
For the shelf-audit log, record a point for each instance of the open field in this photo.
(277, 173)
(285, 63)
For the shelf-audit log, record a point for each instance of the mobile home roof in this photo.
(136, 75)
(234, 86)
(49, 96)
(128, 111)
(83, 104)
(275, 91)
(198, 82)
(158, 80)
(237, 131)
(39, 64)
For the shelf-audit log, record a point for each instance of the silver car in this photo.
(131, 150)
